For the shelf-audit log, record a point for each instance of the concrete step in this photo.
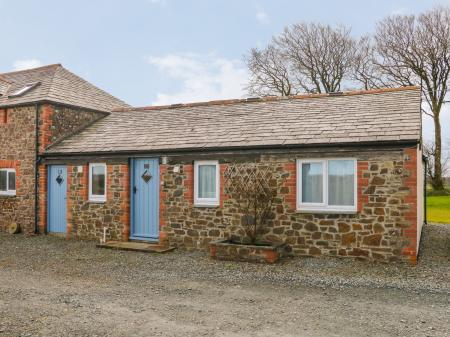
(144, 247)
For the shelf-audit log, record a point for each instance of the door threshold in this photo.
(144, 247)
(143, 240)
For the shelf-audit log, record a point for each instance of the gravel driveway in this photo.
(54, 287)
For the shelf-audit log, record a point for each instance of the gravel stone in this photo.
(53, 286)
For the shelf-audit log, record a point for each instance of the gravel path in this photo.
(54, 287)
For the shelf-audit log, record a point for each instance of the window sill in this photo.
(206, 205)
(97, 201)
(326, 211)
(8, 196)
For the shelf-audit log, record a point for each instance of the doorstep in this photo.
(144, 247)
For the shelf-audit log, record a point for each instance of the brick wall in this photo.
(3, 116)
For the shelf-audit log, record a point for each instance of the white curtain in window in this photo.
(341, 182)
(312, 182)
(207, 181)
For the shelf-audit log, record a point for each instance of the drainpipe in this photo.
(36, 174)
(425, 220)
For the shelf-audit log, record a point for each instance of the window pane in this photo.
(312, 182)
(3, 180)
(207, 181)
(98, 180)
(12, 181)
(341, 182)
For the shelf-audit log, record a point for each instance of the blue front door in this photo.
(57, 198)
(145, 199)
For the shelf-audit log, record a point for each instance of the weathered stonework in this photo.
(86, 219)
(18, 150)
(384, 228)
(57, 121)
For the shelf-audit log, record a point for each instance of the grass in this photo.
(438, 209)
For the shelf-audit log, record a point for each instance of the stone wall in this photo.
(17, 150)
(384, 228)
(86, 219)
(57, 121)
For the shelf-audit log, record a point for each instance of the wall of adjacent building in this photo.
(18, 150)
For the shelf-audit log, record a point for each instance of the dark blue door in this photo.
(145, 199)
(57, 198)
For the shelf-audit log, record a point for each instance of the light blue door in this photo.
(57, 199)
(145, 199)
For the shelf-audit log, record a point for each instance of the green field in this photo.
(438, 209)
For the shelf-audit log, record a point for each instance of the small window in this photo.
(24, 89)
(206, 183)
(7, 182)
(326, 185)
(97, 182)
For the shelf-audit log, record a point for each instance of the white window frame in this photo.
(206, 202)
(9, 192)
(305, 207)
(95, 197)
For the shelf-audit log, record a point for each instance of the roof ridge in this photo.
(267, 99)
(85, 82)
(50, 87)
(33, 69)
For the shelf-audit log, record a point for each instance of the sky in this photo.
(149, 52)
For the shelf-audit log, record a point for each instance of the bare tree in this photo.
(429, 150)
(415, 50)
(366, 70)
(321, 56)
(304, 58)
(269, 73)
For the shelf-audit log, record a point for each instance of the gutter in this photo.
(245, 149)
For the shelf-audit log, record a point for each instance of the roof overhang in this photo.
(47, 101)
(232, 150)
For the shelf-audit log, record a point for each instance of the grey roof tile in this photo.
(57, 85)
(372, 116)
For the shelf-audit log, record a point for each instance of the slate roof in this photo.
(57, 85)
(385, 115)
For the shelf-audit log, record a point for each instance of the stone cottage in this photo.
(39, 107)
(351, 165)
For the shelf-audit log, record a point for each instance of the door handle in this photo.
(134, 189)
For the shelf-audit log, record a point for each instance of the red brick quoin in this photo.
(410, 181)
